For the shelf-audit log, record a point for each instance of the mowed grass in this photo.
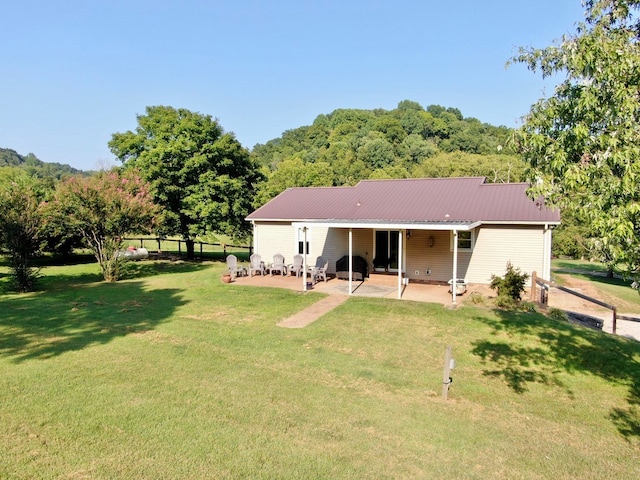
(172, 374)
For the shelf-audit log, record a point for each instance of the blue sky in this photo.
(74, 72)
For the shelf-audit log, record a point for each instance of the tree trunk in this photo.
(190, 249)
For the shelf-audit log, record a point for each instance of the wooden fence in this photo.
(544, 298)
(225, 248)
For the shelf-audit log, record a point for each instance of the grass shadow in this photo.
(552, 347)
(150, 268)
(41, 326)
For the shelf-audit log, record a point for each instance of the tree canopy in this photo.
(36, 167)
(202, 176)
(582, 144)
(348, 145)
(20, 220)
(102, 209)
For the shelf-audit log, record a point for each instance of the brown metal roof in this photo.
(419, 200)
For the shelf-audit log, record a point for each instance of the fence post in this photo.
(615, 319)
(200, 249)
(180, 247)
(224, 250)
(159, 248)
(534, 284)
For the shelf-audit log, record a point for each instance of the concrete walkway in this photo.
(313, 312)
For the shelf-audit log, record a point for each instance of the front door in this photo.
(386, 251)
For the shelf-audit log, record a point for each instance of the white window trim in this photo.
(461, 249)
(299, 237)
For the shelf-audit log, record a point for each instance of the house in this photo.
(432, 230)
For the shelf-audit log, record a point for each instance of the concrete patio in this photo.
(377, 285)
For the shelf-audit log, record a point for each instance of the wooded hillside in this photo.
(348, 145)
(35, 166)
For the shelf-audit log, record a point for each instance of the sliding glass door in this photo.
(386, 250)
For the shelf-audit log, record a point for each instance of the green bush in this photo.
(476, 298)
(557, 314)
(512, 285)
(504, 301)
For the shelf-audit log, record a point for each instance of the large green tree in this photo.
(202, 176)
(583, 143)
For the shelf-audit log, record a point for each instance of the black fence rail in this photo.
(544, 297)
(161, 245)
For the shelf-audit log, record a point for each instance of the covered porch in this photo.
(399, 255)
(377, 285)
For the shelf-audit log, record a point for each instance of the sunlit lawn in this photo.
(173, 374)
(615, 290)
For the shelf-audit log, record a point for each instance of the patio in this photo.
(377, 285)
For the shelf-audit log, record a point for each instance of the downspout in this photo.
(546, 246)
(255, 237)
(550, 244)
(455, 267)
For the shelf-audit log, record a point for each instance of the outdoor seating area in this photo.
(280, 274)
(377, 285)
(278, 266)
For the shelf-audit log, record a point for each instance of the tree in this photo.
(102, 209)
(294, 173)
(202, 177)
(583, 143)
(20, 197)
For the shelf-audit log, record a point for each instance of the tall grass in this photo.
(173, 374)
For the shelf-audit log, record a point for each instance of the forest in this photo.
(35, 166)
(349, 145)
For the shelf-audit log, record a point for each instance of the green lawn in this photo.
(172, 374)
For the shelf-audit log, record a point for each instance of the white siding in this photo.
(275, 237)
(421, 256)
(494, 247)
(497, 245)
(333, 243)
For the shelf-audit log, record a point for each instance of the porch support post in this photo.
(350, 260)
(304, 260)
(455, 267)
(400, 235)
(546, 262)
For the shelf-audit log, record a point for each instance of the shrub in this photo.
(512, 285)
(558, 314)
(529, 307)
(476, 298)
(504, 301)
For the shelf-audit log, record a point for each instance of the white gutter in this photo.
(391, 226)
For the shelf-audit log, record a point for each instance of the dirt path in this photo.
(566, 301)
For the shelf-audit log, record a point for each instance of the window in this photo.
(465, 240)
(301, 243)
